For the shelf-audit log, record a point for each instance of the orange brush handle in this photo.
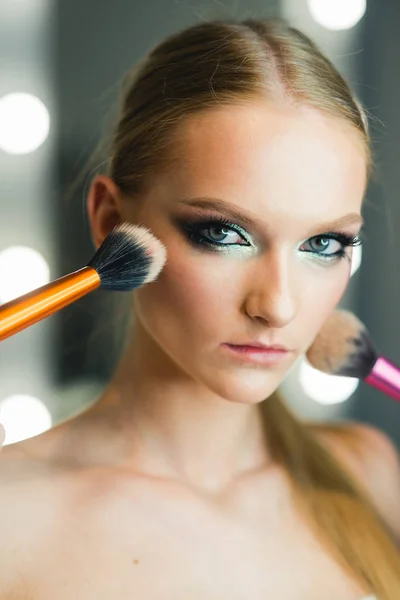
(46, 300)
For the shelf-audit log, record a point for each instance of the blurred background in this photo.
(61, 62)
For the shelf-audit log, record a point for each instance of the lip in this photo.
(263, 346)
(258, 353)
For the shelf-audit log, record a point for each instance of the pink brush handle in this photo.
(385, 376)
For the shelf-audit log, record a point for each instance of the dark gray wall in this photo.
(379, 283)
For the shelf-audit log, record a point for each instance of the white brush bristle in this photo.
(129, 257)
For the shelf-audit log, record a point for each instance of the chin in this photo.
(250, 389)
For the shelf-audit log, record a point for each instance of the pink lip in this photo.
(264, 355)
(263, 346)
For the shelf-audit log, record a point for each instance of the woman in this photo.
(243, 150)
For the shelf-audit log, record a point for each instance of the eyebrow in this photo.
(233, 213)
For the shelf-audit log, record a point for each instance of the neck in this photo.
(174, 427)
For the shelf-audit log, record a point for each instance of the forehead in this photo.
(257, 155)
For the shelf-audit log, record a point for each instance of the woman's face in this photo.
(273, 275)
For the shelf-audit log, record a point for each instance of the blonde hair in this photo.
(224, 62)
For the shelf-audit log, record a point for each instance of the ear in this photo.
(104, 203)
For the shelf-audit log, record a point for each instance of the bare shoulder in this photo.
(14, 522)
(22, 476)
(28, 504)
(371, 456)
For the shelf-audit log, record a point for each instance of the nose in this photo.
(272, 293)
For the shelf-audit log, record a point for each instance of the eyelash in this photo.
(193, 229)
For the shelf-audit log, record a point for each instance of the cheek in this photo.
(321, 297)
(328, 288)
(190, 294)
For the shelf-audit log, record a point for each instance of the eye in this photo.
(216, 233)
(222, 233)
(325, 245)
(330, 245)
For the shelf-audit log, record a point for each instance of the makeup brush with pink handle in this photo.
(344, 347)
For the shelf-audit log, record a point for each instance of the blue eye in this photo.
(331, 245)
(217, 233)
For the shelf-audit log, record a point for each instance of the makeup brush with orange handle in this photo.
(129, 257)
(343, 347)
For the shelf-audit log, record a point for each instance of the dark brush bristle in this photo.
(343, 347)
(361, 361)
(129, 257)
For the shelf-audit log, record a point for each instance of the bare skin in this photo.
(165, 489)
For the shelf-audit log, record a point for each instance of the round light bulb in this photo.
(356, 259)
(22, 417)
(337, 14)
(22, 269)
(24, 123)
(324, 388)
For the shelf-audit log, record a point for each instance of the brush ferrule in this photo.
(30, 308)
(385, 376)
